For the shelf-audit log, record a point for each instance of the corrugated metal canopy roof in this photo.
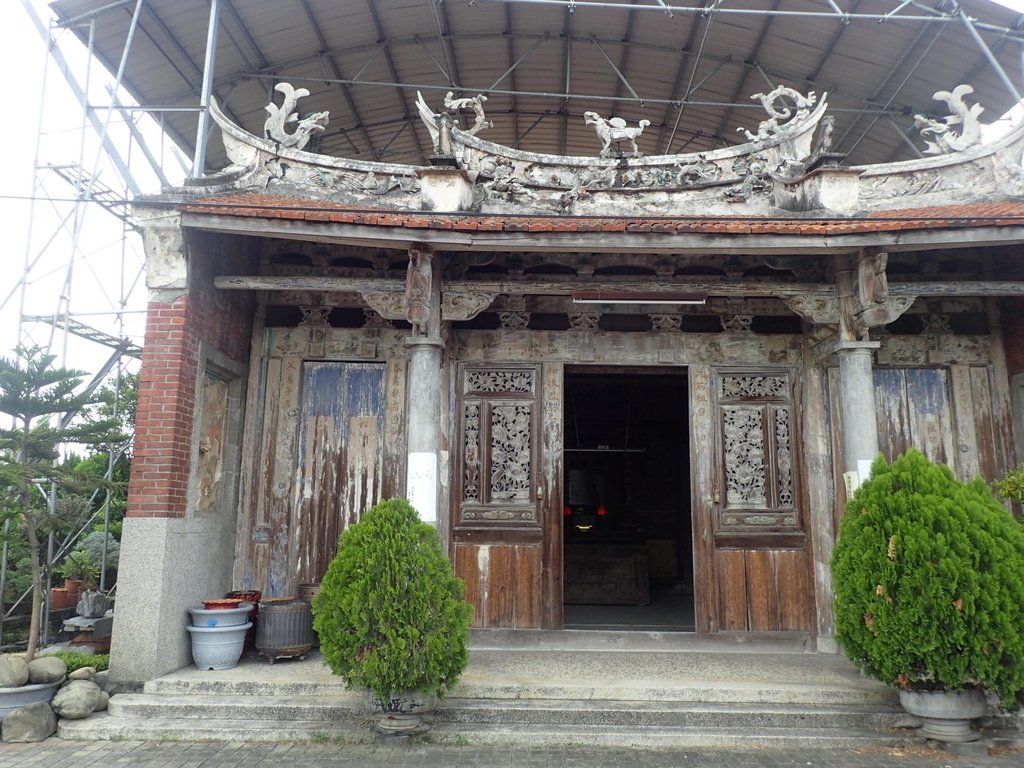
(543, 63)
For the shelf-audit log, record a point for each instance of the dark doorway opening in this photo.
(627, 530)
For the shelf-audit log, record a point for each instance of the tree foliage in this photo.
(42, 400)
(929, 581)
(390, 613)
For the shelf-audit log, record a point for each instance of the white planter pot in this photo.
(218, 647)
(946, 715)
(15, 698)
(220, 617)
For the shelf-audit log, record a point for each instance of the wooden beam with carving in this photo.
(565, 286)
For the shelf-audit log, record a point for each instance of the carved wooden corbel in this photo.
(389, 304)
(818, 308)
(464, 305)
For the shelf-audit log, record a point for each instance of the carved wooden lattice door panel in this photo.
(497, 511)
(753, 562)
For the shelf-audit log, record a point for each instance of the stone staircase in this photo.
(615, 688)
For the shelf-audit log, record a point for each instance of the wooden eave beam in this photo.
(602, 242)
(564, 286)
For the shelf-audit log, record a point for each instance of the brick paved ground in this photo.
(166, 754)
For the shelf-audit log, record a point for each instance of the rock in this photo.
(13, 671)
(33, 722)
(77, 699)
(104, 700)
(83, 673)
(100, 678)
(47, 669)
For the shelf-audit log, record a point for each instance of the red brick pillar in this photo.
(163, 429)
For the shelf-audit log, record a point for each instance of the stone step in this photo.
(102, 726)
(510, 711)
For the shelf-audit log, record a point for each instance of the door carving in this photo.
(498, 495)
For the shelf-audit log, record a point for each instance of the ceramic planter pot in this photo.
(405, 714)
(15, 698)
(218, 647)
(220, 617)
(946, 715)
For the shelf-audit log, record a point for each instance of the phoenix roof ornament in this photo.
(279, 117)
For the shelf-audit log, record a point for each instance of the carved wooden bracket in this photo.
(389, 304)
(818, 308)
(464, 305)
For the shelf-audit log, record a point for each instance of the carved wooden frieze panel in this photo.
(498, 437)
(755, 416)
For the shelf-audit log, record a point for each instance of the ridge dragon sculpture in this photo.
(279, 117)
(946, 138)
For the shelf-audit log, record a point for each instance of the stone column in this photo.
(857, 403)
(424, 425)
(423, 418)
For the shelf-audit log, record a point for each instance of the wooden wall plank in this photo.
(249, 471)
(552, 469)
(821, 486)
(794, 590)
(732, 590)
(964, 427)
(526, 611)
(890, 411)
(990, 462)
(467, 568)
(394, 448)
(762, 591)
(703, 500)
(283, 508)
(501, 587)
(929, 417)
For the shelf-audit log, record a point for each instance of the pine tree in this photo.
(42, 400)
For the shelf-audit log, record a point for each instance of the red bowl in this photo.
(221, 603)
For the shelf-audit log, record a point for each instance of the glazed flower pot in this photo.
(946, 715)
(405, 714)
(217, 647)
(15, 698)
(220, 617)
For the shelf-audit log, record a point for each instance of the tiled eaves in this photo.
(264, 206)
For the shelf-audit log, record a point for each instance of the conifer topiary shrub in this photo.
(390, 613)
(929, 581)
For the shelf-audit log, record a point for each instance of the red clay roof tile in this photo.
(255, 205)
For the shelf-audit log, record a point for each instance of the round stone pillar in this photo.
(424, 426)
(857, 405)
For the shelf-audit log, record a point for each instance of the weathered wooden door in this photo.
(751, 558)
(498, 507)
(320, 466)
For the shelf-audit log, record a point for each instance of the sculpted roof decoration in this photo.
(785, 167)
(947, 138)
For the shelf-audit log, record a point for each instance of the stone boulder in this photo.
(83, 673)
(47, 669)
(101, 679)
(33, 722)
(13, 671)
(104, 700)
(77, 699)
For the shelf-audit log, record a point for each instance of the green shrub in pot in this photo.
(390, 613)
(929, 581)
